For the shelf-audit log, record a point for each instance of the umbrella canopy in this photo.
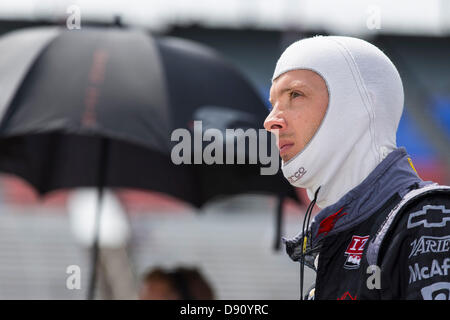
(98, 106)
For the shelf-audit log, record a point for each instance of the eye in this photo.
(295, 94)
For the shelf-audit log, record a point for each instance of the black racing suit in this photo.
(413, 261)
(401, 250)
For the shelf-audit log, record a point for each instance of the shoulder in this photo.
(429, 210)
(418, 246)
(424, 210)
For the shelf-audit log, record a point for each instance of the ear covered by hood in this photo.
(359, 128)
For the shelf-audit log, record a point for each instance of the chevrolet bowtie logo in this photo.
(441, 212)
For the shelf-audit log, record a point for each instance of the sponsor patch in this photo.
(429, 244)
(417, 273)
(354, 252)
(327, 224)
(297, 175)
(347, 296)
(436, 291)
(430, 216)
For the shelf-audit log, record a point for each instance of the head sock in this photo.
(359, 127)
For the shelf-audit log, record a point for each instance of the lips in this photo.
(285, 146)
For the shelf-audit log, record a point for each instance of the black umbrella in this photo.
(97, 107)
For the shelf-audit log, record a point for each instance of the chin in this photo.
(286, 158)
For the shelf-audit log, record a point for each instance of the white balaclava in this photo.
(359, 128)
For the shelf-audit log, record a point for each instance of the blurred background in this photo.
(230, 241)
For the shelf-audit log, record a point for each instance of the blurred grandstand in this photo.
(231, 241)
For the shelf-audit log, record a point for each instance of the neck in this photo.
(336, 174)
(341, 177)
(394, 175)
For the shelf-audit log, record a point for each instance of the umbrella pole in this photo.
(278, 222)
(104, 146)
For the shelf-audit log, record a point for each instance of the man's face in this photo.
(299, 101)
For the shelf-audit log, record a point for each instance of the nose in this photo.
(274, 121)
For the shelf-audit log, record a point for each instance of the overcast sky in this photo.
(343, 16)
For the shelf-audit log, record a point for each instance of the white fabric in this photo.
(360, 124)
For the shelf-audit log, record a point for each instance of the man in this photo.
(382, 233)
